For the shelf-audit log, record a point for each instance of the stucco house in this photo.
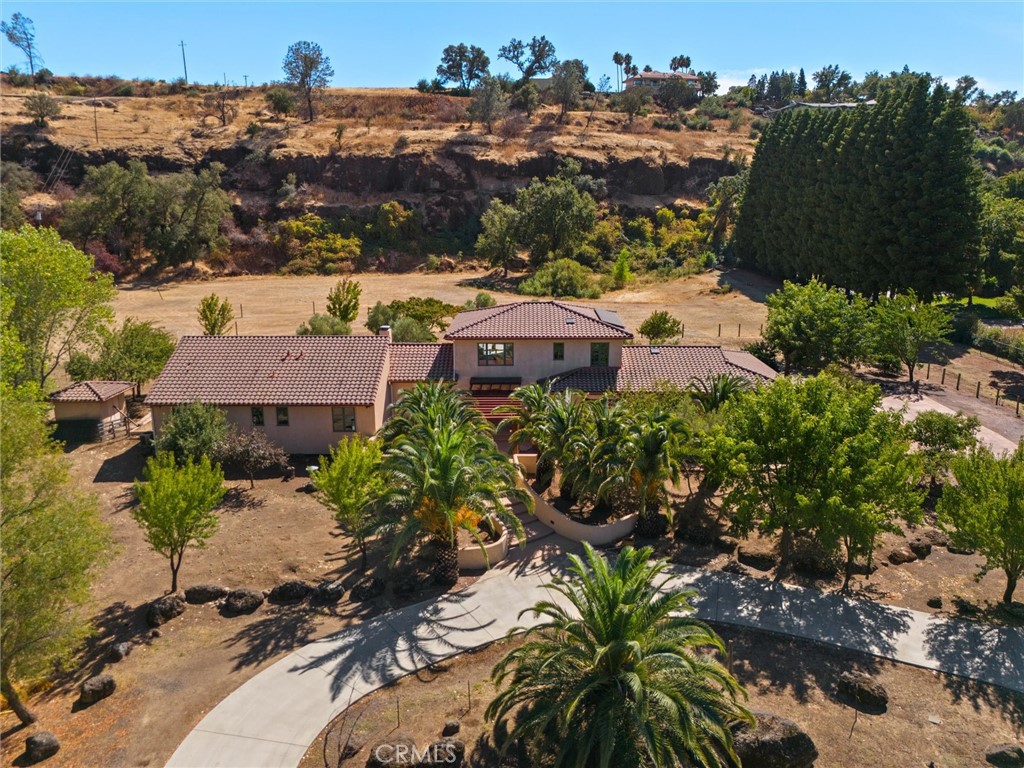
(309, 392)
(91, 410)
(657, 79)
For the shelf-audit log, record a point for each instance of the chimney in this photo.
(385, 331)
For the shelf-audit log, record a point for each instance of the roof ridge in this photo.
(93, 389)
(501, 310)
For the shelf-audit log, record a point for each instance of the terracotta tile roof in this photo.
(421, 362)
(91, 392)
(644, 368)
(537, 320)
(663, 76)
(272, 370)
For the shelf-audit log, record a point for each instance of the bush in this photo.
(324, 325)
(699, 123)
(253, 129)
(965, 327)
(1006, 344)
(563, 278)
(18, 79)
(484, 300)
(105, 261)
(125, 89)
(667, 125)
(193, 431)
(281, 101)
(713, 107)
(41, 108)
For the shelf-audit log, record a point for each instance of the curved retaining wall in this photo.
(598, 535)
(472, 558)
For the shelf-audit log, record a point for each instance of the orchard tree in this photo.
(215, 315)
(940, 437)
(21, 33)
(498, 241)
(324, 325)
(531, 59)
(463, 64)
(308, 69)
(348, 482)
(58, 302)
(176, 506)
(135, 352)
(343, 300)
(904, 325)
(984, 511)
(489, 103)
(660, 326)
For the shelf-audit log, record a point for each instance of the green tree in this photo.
(531, 59)
(463, 64)
(904, 325)
(380, 314)
(193, 205)
(58, 301)
(498, 241)
(135, 352)
(53, 541)
(281, 101)
(708, 83)
(177, 506)
(15, 181)
(649, 455)
(634, 100)
(324, 325)
(621, 274)
(940, 437)
(343, 300)
(814, 326)
(489, 103)
(555, 218)
(193, 431)
(660, 326)
(563, 278)
(251, 451)
(831, 82)
(308, 69)
(715, 390)
(621, 678)
(349, 482)
(41, 107)
(408, 330)
(426, 310)
(215, 315)
(21, 33)
(984, 511)
(526, 98)
(567, 81)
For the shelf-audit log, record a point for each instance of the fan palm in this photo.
(454, 480)
(620, 678)
(711, 392)
(595, 474)
(565, 420)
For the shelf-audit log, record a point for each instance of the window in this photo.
(282, 416)
(344, 419)
(257, 416)
(599, 353)
(494, 353)
(558, 351)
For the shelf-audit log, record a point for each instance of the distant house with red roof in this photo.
(308, 392)
(657, 79)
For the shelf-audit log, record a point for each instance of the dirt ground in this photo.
(932, 719)
(267, 535)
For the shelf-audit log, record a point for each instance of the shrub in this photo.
(105, 261)
(406, 329)
(484, 300)
(281, 101)
(253, 129)
(41, 108)
(125, 89)
(18, 79)
(667, 125)
(713, 107)
(324, 325)
(561, 278)
(193, 431)
(699, 123)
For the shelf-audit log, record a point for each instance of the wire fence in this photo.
(1009, 397)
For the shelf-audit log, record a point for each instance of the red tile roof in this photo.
(272, 370)
(537, 320)
(644, 367)
(421, 362)
(663, 76)
(91, 392)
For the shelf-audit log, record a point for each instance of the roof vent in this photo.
(655, 350)
(570, 321)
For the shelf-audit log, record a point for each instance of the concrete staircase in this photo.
(535, 529)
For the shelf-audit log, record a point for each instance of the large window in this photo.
(344, 419)
(558, 351)
(282, 416)
(494, 353)
(599, 353)
(257, 416)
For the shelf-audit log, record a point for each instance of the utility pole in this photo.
(182, 46)
(95, 121)
(246, 77)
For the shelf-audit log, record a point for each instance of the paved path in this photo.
(273, 718)
(915, 404)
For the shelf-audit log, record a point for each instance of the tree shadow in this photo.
(125, 467)
(238, 499)
(752, 285)
(1010, 383)
(283, 629)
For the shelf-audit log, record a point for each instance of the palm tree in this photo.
(565, 420)
(524, 413)
(627, 682)
(595, 475)
(428, 405)
(454, 480)
(649, 456)
(711, 392)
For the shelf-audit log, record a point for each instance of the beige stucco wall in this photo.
(103, 411)
(533, 359)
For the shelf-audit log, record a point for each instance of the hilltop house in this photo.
(657, 79)
(308, 392)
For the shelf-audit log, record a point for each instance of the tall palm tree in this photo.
(621, 678)
(649, 457)
(711, 392)
(426, 406)
(566, 419)
(453, 480)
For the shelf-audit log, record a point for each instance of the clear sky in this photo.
(395, 44)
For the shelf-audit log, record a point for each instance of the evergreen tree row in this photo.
(874, 199)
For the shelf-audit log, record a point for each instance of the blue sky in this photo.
(395, 44)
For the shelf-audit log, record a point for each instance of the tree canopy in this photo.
(308, 69)
(135, 352)
(531, 59)
(463, 64)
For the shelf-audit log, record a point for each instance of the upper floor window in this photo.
(495, 353)
(257, 416)
(343, 419)
(558, 351)
(599, 353)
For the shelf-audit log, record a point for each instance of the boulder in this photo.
(935, 537)
(40, 746)
(243, 600)
(451, 727)
(773, 742)
(901, 556)
(118, 651)
(863, 568)
(760, 561)
(920, 546)
(205, 593)
(327, 592)
(96, 689)
(165, 608)
(863, 689)
(406, 583)
(935, 602)
(955, 550)
(447, 752)
(397, 750)
(367, 589)
(1005, 755)
(294, 591)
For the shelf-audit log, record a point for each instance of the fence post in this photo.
(958, 382)
(928, 372)
(997, 395)
(682, 334)
(1018, 406)
(719, 330)
(977, 391)
(241, 312)
(943, 375)
(739, 330)
(236, 327)
(314, 307)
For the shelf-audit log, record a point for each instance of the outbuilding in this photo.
(90, 411)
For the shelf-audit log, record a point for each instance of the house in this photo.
(308, 392)
(91, 410)
(657, 79)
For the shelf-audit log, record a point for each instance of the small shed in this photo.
(91, 411)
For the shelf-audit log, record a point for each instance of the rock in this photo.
(451, 727)
(761, 561)
(447, 752)
(294, 591)
(863, 689)
(393, 751)
(367, 589)
(243, 601)
(118, 651)
(96, 689)
(327, 592)
(901, 556)
(205, 593)
(727, 543)
(165, 608)
(1005, 755)
(1014, 610)
(155, 633)
(920, 546)
(935, 537)
(734, 567)
(935, 602)
(40, 746)
(774, 742)
(955, 550)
